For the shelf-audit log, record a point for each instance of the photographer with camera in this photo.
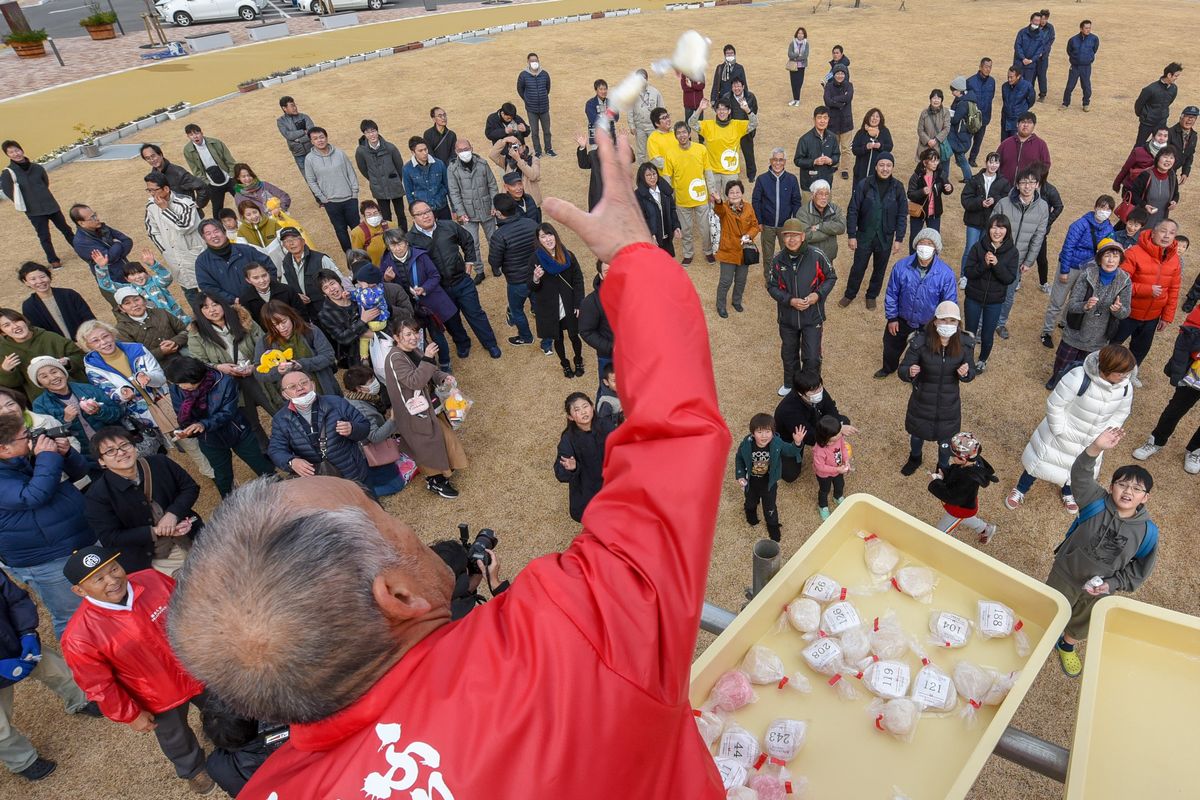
(240, 745)
(468, 561)
(306, 603)
(41, 514)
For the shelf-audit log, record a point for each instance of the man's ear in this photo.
(395, 594)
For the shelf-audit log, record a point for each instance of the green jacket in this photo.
(42, 343)
(778, 447)
(220, 154)
(158, 326)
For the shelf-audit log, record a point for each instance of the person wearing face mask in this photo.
(938, 359)
(1079, 248)
(806, 402)
(1029, 48)
(533, 87)
(380, 162)
(317, 434)
(367, 236)
(1100, 298)
(1140, 159)
(472, 187)
(365, 393)
(917, 285)
(725, 74)
(990, 267)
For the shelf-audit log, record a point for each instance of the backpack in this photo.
(974, 121)
(1083, 385)
(1095, 507)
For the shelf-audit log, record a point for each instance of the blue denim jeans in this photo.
(1008, 301)
(466, 297)
(1026, 481)
(961, 160)
(52, 588)
(518, 296)
(973, 236)
(989, 315)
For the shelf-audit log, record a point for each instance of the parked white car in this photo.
(184, 12)
(322, 7)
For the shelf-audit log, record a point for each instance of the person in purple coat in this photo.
(413, 269)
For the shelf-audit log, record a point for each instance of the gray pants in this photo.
(949, 523)
(539, 121)
(724, 180)
(639, 145)
(489, 227)
(16, 751)
(1059, 293)
(799, 348)
(731, 275)
(176, 739)
(694, 221)
(770, 236)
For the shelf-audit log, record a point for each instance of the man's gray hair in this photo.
(779, 151)
(274, 608)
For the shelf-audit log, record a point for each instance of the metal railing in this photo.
(1017, 746)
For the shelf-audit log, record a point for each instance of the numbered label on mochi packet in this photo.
(839, 618)
(934, 689)
(733, 772)
(888, 679)
(822, 655)
(995, 619)
(951, 629)
(822, 588)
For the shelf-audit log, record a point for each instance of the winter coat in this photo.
(662, 217)
(421, 436)
(647, 101)
(449, 246)
(932, 124)
(1079, 246)
(120, 515)
(1187, 349)
(1029, 44)
(1029, 223)
(109, 413)
(534, 89)
(935, 406)
(18, 617)
(320, 366)
(809, 148)
(109, 241)
(984, 90)
(34, 182)
(71, 305)
(293, 437)
(723, 78)
(42, 343)
(593, 323)
(590, 160)
(794, 411)
(219, 152)
(828, 460)
(693, 91)
(185, 183)
(112, 383)
(839, 99)
(330, 175)
(426, 182)
(960, 138)
(775, 198)
(911, 298)
(260, 193)
(150, 333)
(224, 425)
(1150, 265)
(419, 270)
(989, 284)
(1153, 104)
(1081, 50)
(345, 324)
(1016, 156)
(495, 128)
(1186, 148)
(893, 215)
(798, 52)
(41, 515)
(587, 448)
(253, 303)
(174, 231)
(864, 158)
(959, 486)
(1073, 421)
(441, 144)
(734, 225)
(224, 277)
(916, 191)
(799, 274)
(824, 227)
(122, 660)
(1016, 99)
(511, 250)
(566, 288)
(1105, 544)
(1139, 194)
(975, 214)
(779, 448)
(382, 166)
(471, 188)
(1092, 334)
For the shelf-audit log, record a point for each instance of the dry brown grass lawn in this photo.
(897, 58)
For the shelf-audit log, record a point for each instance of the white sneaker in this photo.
(1133, 379)
(1148, 449)
(1045, 288)
(1014, 500)
(962, 282)
(783, 392)
(1191, 464)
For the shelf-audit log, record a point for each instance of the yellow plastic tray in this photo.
(1135, 732)
(844, 755)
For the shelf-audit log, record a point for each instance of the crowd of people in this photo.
(230, 334)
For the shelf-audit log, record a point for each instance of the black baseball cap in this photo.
(1191, 111)
(513, 177)
(86, 561)
(289, 231)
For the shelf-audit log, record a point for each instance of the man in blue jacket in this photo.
(297, 431)
(1029, 48)
(92, 236)
(1081, 53)
(221, 268)
(425, 179)
(533, 87)
(917, 284)
(776, 199)
(1017, 97)
(41, 515)
(983, 86)
(1046, 34)
(875, 224)
(1079, 249)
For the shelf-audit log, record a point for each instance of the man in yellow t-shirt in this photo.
(691, 176)
(662, 139)
(723, 138)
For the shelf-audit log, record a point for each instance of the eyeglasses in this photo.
(426, 212)
(1130, 486)
(120, 449)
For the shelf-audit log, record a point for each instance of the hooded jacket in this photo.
(174, 230)
(41, 515)
(1016, 155)
(794, 411)
(778, 448)
(989, 284)
(1029, 222)
(1093, 333)
(260, 193)
(534, 89)
(893, 215)
(1150, 265)
(472, 188)
(152, 331)
(798, 274)
(294, 129)
(839, 99)
(959, 486)
(1073, 421)
(330, 176)
(382, 166)
(1079, 246)
(911, 298)
(935, 406)
(960, 138)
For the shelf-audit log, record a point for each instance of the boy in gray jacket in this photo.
(1110, 547)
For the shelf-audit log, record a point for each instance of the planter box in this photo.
(101, 32)
(269, 82)
(128, 130)
(356, 59)
(29, 49)
(371, 56)
(107, 138)
(204, 42)
(291, 76)
(339, 21)
(509, 27)
(533, 23)
(246, 88)
(142, 124)
(52, 163)
(180, 113)
(265, 31)
(341, 62)
(90, 150)
(72, 154)
(313, 70)
(385, 51)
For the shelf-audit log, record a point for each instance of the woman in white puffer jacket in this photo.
(1086, 401)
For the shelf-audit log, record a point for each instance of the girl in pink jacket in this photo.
(831, 461)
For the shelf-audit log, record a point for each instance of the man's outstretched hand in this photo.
(616, 221)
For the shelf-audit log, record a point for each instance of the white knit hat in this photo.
(43, 361)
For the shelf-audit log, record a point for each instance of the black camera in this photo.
(478, 558)
(53, 432)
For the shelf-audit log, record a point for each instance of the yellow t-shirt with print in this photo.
(659, 144)
(722, 142)
(685, 169)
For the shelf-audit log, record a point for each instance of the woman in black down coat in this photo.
(990, 266)
(556, 289)
(657, 201)
(839, 99)
(580, 458)
(938, 359)
(872, 138)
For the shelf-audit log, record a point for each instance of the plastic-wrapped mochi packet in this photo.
(916, 582)
(741, 793)
(1002, 683)
(764, 667)
(897, 717)
(781, 786)
(733, 772)
(824, 656)
(887, 679)
(933, 689)
(947, 629)
(739, 744)
(823, 589)
(973, 683)
(880, 557)
(836, 619)
(731, 692)
(803, 614)
(888, 638)
(710, 725)
(997, 620)
(856, 645)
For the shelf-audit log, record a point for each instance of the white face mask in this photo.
(816, 397)
(924, 251)
(534, 65)
(465, 156)
(946, 331)
(1103, 214)
(730, 59)
(373, 386)
(1033, 27)
(305, 400)
(374, 220)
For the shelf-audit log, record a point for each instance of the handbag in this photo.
(915, 210)
(324, 467)
(749, 255)
(18, 199)
(944, 151)
(792, 65)
(1126, 205)
(163, 545)
(380, 453)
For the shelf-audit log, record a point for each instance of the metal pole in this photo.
(54, 47)
(1015, 745)
(114, 11)
(766, 562)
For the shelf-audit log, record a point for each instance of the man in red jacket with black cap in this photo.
(307, 603)
(116, 646)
